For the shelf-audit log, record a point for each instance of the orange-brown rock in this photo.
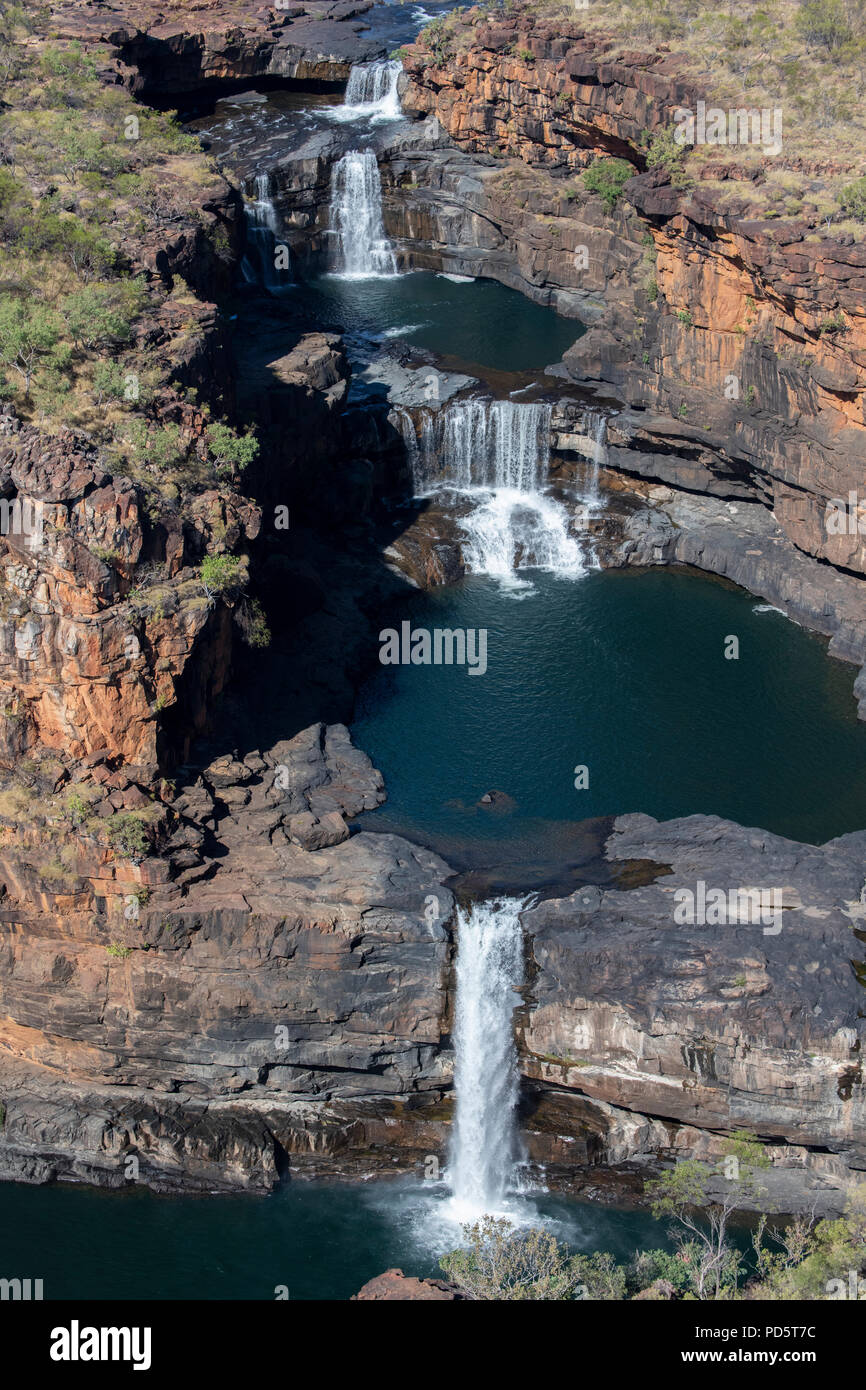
(755, 330)
(394, 1286)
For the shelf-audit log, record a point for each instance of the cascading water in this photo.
(483, 1156)
(362, 250)
(595, 425)
(371, 93)
(498, 453)
(263, 227)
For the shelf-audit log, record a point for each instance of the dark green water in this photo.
(476, 322)
(625, 672)
(321, 1240)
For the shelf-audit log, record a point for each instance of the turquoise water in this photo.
(623, 672)
(321, 1240)
(473, 323)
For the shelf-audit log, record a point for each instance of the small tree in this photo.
(701, 1208)
(28, 332)
(231, 452)
(515, 1266)
(852, 199)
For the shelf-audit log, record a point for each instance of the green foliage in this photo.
(834, 323)
(161, 446)
(699, 1201)
(599, 1276)
(28, 333)
(438, 38)
(826, 23)
(102, 315)
(664, 152)
(127, 835)
(119, 951)
(514, 1266)
(109, 382)
(253, 623)
(808, 1259)
(852, 199)
(685, 318)
(231, 452)
(77, 809)
(607, 178)
(220, 573)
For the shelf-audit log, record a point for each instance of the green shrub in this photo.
(607, 177)
(664, 152)
(28, 332)
(825, 23)
(852, 199)
(220, 572)
(127, 835)
(230, 451)
(505, 1264)
(103, 314)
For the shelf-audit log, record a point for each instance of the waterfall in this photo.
(498, 453)
(483, 1155)
(371, 92)
(362, 249)
(595, 426)
(263, 227)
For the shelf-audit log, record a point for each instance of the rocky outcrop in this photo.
(394, 1286)
(88, 659)
(689, 1021)
(205, 1010)
(228, 41)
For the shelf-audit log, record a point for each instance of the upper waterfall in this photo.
(371, 93)
(362, 250)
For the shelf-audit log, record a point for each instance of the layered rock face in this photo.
(722, 295)
(169, 54)
(709, 1019)
(196, 1010)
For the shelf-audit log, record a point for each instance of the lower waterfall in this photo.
(498, 454)
(362, 250)
(483, 1156)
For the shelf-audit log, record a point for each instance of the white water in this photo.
(371, 93)
(362, 251)
(498, 453)
(483, 1158)
(263, 228)
(595, 426)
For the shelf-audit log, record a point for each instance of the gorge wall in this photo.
(721, 291)
(250, 989)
